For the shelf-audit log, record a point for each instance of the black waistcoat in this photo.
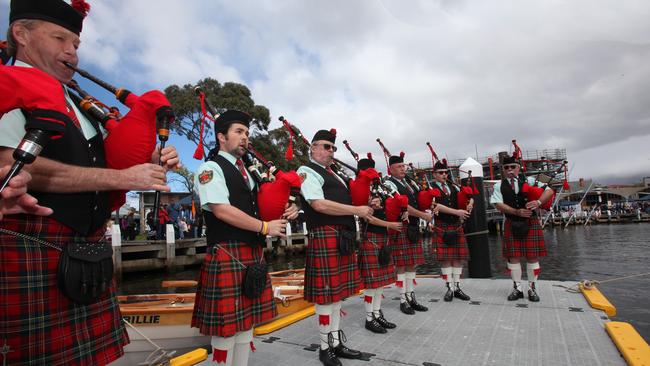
(513, 200)
(333, 190)
(380, 214)
(240, 196)
(413, 202)
(84, 212)
(450, 200)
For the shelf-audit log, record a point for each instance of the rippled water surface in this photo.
(603, 252)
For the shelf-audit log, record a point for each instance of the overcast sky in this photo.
(460, 74)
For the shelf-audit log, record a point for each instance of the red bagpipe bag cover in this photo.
(425, 198)
(132, 140)
(272, 197)
(465, 194)
(30, 89)
(533, 193)
(360, 186)
(395, 206)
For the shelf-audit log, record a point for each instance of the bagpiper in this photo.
(523, 236)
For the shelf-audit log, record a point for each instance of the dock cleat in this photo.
(328, 358)
(515, 295)
(532, 293)
(385, 323)
(406, 308)
(374, 326)
(459, 294)
(414, 303)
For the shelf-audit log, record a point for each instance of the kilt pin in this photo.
(531, 247)
(404, 252)
(373, 274)
(221, 308)
(329, 276)
(39, 325)
(443, 252)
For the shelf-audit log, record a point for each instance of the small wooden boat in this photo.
(165, 318)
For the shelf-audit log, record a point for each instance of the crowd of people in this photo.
(47, 318)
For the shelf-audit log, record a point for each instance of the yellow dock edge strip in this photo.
(597, 300)
(190, 358)
(284, 321)
(633, 347)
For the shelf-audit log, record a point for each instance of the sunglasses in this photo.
(442, 172)
(329, 147)
(510, 166)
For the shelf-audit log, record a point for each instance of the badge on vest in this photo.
(205, 176)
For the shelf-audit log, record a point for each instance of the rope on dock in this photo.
(589, 284)
(158, 356)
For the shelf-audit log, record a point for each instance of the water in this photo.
(601, 252)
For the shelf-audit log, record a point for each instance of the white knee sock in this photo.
(368, 297)
(410, 282)
(447, 276)
(456, 272)
(336, 322)
(242, 348)
(401, 279)
(532, 271)
(376, 301)
(515, 273)
(222, 350)
(324, 319)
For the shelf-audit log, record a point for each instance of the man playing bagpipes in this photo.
(375, 263)
(451, 247)
(49, 316)
(234, 289)
(406, 246)
(523, 235)
(331, 272)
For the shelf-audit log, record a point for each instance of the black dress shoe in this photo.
(406, 308)
(449, 295)
(459, 294)
(344, 352)
(515, 295)
(532, 295)
(414, 303)
(328, 358)
(383, 322)
(374, 326)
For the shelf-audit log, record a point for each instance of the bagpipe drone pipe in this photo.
(465, 192)
(131, 139)
(42, 101)
(276, 188)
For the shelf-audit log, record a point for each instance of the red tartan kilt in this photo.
(329, 276)
(533, 246)
(373, 274)
(221, 308)
(39, 323)
(459, 252)
(404, 252)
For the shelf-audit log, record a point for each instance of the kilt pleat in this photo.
(531, 247)
(329, 276)
(404, 252)
(221, 308)
(458, 252)
(38, 323)
(373, 274)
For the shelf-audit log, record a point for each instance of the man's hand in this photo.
(277, 227)
(14, 198)
(146, 177)
(364, 212)
(533, 205)
(524, 212)
(463, 214)
(397, 226)
(290, 212)
(168, 156)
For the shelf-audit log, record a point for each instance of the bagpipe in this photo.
(367, 182)
(42, 101)
(533, 192)
(465, 192)
(131, 139)
(276, 188)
